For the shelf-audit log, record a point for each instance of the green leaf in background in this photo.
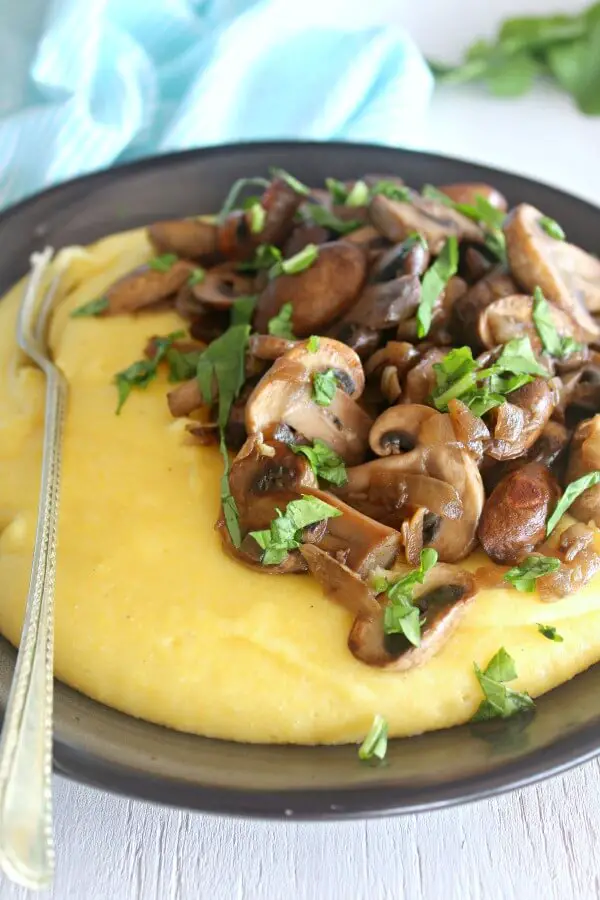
(566, 47)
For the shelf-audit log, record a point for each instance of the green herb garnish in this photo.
(266, 256)
(358, 195)
(326, 219)
(324, 387)
(297, 263)
(231, 200)
(281, 324)
(400, 616)
(324, 461)
(313, 343)
(434, 281)
(163, 263)
(375, 743)
(480, 211)
(242, 309)
(555, 344)
(291, 181)
(222, 366)
(182, 366)
(197, 276)
(285, 531)
(517, 357)
(258, 215)
(392, 191)
(337, 189)
(93, 308)
(552, 228)
(572, 492)
(524, 576)
(500, 701)
(141, 372)
(563, 47)
(550, 632)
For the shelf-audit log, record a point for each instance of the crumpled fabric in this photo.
(84, 85)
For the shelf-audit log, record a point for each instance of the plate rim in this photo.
(377, 800)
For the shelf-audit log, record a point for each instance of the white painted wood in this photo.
(542, 842)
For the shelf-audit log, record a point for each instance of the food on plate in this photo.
(386, 399)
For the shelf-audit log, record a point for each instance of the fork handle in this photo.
(26, 842)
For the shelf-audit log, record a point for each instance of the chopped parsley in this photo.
(295, 264)
(163, 263)
(292, 182)
(182, 366)
(524, 576)
(313, 343)
(359, 194)
(266, 256)
(375, 743)
(481, 211)
(141, 372)
(257, 215)
(572, 492)
(285, 531)
(550, 632)
(281, 324)
(324, 461)
(322, 216)
(400, 616)
(324, 386)
(243, 309)
(552, 228)
(434, 281)
(197, 276)
(500, 701)
(93, 308)
(337, 190)
(553, 343)
(392, 191)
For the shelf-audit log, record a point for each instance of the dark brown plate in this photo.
(101, 747)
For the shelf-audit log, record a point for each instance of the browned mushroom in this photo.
(146, 287)
(318, 294)
(285, 395)
(359, 338)
(185, 398)
(512, 317)
(399, 354)
(468, 308)
(434, 473)
(189, 238)
(468, 192)
(584, 457)
(397, 219)
(516, 425)
(566, 274)
(580, 561)
(221, 286)
(302, 236)
(268, 346)
(442, 601)
(421, 380)
(281, 203)
(514, 517)
(411, 257)
(340, 583)
(384, 305)
(549, 450)
(471, 431)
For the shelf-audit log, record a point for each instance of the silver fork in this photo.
(26, 841)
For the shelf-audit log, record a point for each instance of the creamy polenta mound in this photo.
(152, 616)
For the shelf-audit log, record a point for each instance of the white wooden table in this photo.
(541, 842)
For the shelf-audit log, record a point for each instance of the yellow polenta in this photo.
(151, 616)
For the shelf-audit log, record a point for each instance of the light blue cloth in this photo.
(100, 81)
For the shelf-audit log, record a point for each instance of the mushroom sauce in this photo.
(389, 397)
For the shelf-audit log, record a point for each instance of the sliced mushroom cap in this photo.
(221, 286)
(584, 457)
(359, 338)
(284, 396)
(269, 346)
(518, 423)
(302, 236)
(145, 287)
(188, 238)
(397, 219)
(185, 398)
(399, 354)
(471, 431)
(420, 380)
(580, 561)
(249, 554)
(514, 517)
(441, 319)
(397, 429)
(407, 258)
(442, 600)
(468, 308)
(468, 192)
(566, 274)
(281, 203)
(319, 294)
(549, 450)
(384, 305)
(512, 317)
(340, 583)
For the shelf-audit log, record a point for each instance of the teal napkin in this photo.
(104, 81)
